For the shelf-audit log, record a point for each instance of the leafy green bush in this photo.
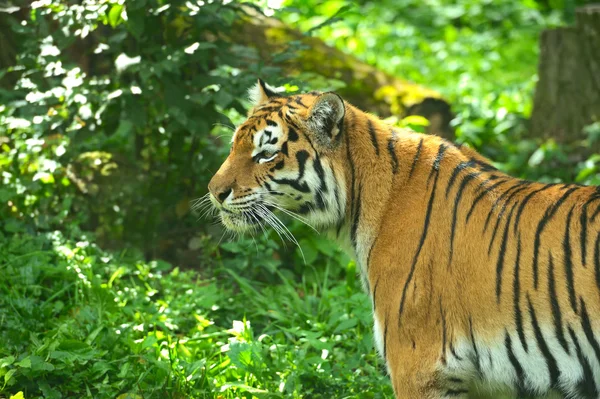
(122, 103)
(78, 321)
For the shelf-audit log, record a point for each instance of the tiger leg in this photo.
(417, 374)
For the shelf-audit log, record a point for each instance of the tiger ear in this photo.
(326, 116)
(260, 93)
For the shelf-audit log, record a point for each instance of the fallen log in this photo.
(366, 86)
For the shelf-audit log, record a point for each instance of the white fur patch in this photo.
(264, 137)
(378, 335)
(498, 372)
(257, 95)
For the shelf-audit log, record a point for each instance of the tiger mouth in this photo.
(241, 220)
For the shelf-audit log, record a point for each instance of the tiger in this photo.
(479, 281)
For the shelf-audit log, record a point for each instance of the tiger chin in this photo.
(477, 279)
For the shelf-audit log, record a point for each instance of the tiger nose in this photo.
(224, 194)
(220, 192)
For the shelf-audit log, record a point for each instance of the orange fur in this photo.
(446, 245)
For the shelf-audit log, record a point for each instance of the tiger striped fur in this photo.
(477, 279)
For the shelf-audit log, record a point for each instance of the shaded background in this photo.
(114, 115)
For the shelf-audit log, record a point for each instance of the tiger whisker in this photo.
(274, 220)
(270, 223)
(291, 214)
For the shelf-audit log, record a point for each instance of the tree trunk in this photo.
(366, 87)
(8, 44)
(567, 96)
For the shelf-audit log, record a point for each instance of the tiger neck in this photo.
(374, 169)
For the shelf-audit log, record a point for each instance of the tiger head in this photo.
(284, 157)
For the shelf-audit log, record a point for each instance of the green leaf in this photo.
(25, 363)
(93, 335)
(6, 361)
(241, 354)
(537, 157)
(124, 371)
(123, 133)
(231, 247)
(7, 378)
(135, 22)
(149, 341)
(100, 368)
(35, 363)
(18, 395)
(345, 325)
(309, 250)
(73, 345)
(114, 15)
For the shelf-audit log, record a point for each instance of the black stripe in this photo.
(460, 167)
(596, 212)
(385, 331)
(484, 165)
(597, 259)
(284, 148)
(453, 351)
(295, 184)
(550, 211)
(517, 187)
(373, 136)
(550, 360)
(298, 101)
(439, 157)
(305, 208)
(356, 217)
(375, 295)
(517, 297)
(501, 254)
(416, 158)
(515, 362)
(392, 151)
(318, 167)
(292, 135)
(369, 254)
(436, 163)
(583, 233)
(587, 386)
(457, 199)
(352, 169)
(500, 214)
(525, 201)
(568, 261)
(556, 312)
(456, 392)
(587, 329)
(340, 206)
(301, 156)
(484, 191)
(475, 350)
(278, 166)
(444, 332)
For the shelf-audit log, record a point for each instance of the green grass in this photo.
(76, 321)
